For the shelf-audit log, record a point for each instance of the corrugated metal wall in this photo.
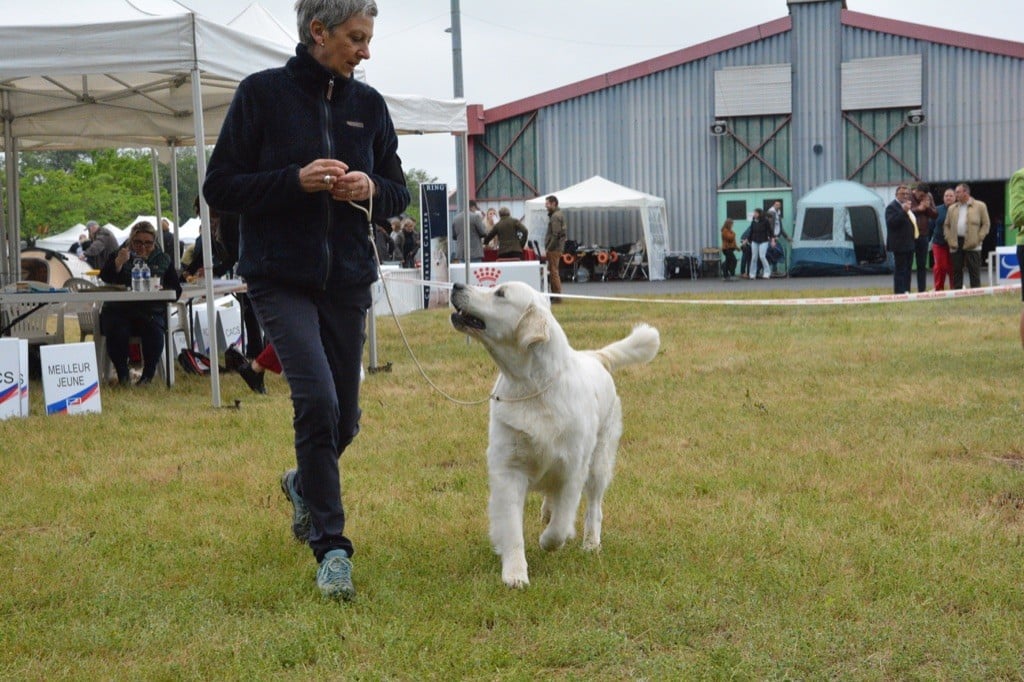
(651, 134)
(817, 120)
(973, 104)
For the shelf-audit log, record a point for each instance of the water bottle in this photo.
(137, 276)
(146, 283)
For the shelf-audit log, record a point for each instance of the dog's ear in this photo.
(533, 327)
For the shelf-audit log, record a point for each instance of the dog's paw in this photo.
(516, 583)
(551, 540)
(513, 571)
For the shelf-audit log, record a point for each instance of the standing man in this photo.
(103, 245)
(965, 227)
(554, 245)
(774, 215)
(923, 207)
(1017, 220)
(477, 232)
(902, 233)
(775, 218)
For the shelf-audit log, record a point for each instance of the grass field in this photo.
(801, 493)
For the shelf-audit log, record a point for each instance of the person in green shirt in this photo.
(1017, 220)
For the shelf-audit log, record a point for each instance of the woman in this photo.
(304, 150)
(145, 319)
(760, 240)
(729, 250)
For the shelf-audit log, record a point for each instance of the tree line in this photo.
(63, 188)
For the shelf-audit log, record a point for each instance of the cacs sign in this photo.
(13, 379)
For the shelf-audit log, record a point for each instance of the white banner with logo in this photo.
(70, 378)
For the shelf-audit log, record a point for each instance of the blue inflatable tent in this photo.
(839, 230)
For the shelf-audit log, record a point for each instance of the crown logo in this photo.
(487, 276)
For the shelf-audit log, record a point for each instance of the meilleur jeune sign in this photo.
(70, 378)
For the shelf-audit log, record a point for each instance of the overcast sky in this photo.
(511, 50)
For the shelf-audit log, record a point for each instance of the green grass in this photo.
(801, 493)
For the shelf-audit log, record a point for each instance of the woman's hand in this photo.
(321, 175)
(122, 257)
(354, 186)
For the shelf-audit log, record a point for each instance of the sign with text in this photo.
(434, 241)
(12, 377)
(229, 322)
(70, 380)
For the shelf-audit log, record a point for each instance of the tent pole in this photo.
(204, 215)
(176, 256)
(10, 267)
(462, 140)
(155, 163)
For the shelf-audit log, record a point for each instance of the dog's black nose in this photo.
(456, 286)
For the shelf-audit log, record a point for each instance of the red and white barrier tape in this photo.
(815, 301)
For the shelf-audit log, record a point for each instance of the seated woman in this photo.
(145, 319)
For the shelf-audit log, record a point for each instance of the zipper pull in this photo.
(330, 88)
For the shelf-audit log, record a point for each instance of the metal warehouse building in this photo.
(766, 113)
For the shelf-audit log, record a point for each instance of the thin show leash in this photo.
(368, 211)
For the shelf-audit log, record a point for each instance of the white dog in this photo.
(555, 416)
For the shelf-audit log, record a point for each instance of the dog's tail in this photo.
(639, 347)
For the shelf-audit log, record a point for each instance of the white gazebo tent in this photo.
(120, 73)
(600, 194)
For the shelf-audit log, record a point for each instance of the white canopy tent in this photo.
(133, 73)
(600, 194)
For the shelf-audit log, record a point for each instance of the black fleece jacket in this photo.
(280, 120)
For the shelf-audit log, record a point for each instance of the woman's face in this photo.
(345, 45)
(143, 243)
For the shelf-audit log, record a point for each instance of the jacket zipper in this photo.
(325, 132)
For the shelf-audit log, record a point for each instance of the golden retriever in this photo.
(555, 416)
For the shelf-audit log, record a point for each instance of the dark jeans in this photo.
(970, 259)
(730, 263)
(901, 274)
(921, 248)
(120, 323)
(319, 337)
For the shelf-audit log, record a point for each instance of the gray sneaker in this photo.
(334, 577)
(300, 512)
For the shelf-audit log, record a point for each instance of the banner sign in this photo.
(434, 237)
(1008, 269)
(70, 380)
(229, 322)
(12, 377)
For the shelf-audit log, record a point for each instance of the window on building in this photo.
(736, 210)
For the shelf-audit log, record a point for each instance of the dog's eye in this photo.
(499, 292)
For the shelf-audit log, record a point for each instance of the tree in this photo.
(106, 185)
(413, 179)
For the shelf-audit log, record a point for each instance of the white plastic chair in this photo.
(88, 312)
(34, 322)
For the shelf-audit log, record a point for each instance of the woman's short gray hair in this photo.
(330, 12)
(142, 226)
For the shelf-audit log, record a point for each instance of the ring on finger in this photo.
(328, 180)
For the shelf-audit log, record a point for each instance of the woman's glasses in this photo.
(143, 243)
